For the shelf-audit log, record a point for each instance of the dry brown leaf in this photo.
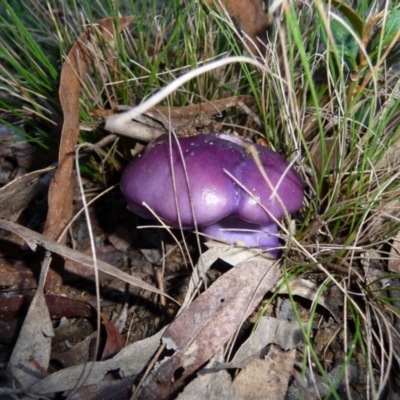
(15, 196)
(76, 271)
(111, 387)
(226, 252)
(378, 222)
(34, 239)
(130, 361)
(31, 354)
(59, 306)
(266, 379)
(309, 290)
(208, 323)
(110, 342)
(61, 191)
(179, 116)
(210, 384)
(314, 386)
(283, 333)
(115, 342)
(15, 274)
(332, 153)
(252, 20)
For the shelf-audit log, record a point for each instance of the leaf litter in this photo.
(214, 317)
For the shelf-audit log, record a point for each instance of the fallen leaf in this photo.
(121, 239)
(111, 387)
(15, 274)
(24, 155)
(110, 343)
(12, 307)
(31, 354)
(266, 379)
(62, 187)
(76, 271)
(15, 196)
(314, 386)
(215, 385)
(114, 340)
(309, 290)
(130, 361)
(285, 334)
(390, 157)
(230, 254)
(252, 19)
(213, 318)
(176, 117)
(332, 154)
(379, 221)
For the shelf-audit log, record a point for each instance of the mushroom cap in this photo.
(187, 182)
(279, 190)
(168, 174)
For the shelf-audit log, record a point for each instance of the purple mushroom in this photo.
(211, 181)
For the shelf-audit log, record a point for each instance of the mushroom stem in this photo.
(238, 231)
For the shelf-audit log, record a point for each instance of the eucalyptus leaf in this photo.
(344, 39)
(392, 26)
(355, 20)
(346, 45)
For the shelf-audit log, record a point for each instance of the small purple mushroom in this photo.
(211, 181)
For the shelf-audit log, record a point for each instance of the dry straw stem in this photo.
(118, 122)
